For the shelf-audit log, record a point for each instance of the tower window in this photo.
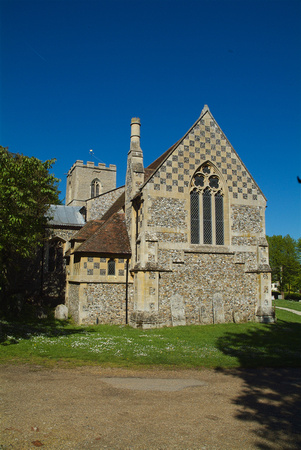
(206, 207)
(95, 188)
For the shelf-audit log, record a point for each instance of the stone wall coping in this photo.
(82, 280)
(211, 249)
(149, 268)
(260, 269)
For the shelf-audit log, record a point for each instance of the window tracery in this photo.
(207, 207)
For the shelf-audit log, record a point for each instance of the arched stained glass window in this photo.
(207, 207)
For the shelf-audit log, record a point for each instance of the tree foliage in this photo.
(27, 189)
(285, 261)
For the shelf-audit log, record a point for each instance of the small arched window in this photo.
(95, 188)
(111, 267)
(206, 207)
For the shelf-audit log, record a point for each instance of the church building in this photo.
(183, 242)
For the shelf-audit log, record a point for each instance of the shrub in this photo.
(292, 296)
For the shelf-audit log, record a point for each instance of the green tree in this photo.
(285, 261)
(297, 279)
(27, 189)
(298, 249)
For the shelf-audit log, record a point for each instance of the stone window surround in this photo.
(214, 172)
(95, 187)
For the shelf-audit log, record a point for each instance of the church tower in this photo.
(85, 181)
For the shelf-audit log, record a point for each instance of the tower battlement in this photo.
(85, 181)
(92, 165)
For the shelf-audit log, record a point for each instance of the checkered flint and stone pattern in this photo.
(205, 142)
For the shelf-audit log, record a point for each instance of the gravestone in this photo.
(61, 312)
(218, 308)
(177, 310)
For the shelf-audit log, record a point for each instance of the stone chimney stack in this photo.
(135, 153)
(135, 131)
(134, 175)
(135, 170)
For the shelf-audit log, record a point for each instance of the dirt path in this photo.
(95, 408)
(294, 311)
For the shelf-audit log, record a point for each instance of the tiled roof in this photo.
(110, 238)
(87, 230)
(151, 169)
(148, 171)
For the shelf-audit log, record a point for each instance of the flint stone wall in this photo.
(218, 274)
(73, 301)
(61, 233)
(247, 219)
(244, 240)
(213, 289)
(172, 237)
(167, 212)
(97, 206)
(105, 303)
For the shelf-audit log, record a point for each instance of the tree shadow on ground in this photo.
(12, 331)
(270, 361)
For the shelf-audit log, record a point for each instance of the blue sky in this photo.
(74, 73)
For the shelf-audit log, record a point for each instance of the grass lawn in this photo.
(229, 345)
(291, 304)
